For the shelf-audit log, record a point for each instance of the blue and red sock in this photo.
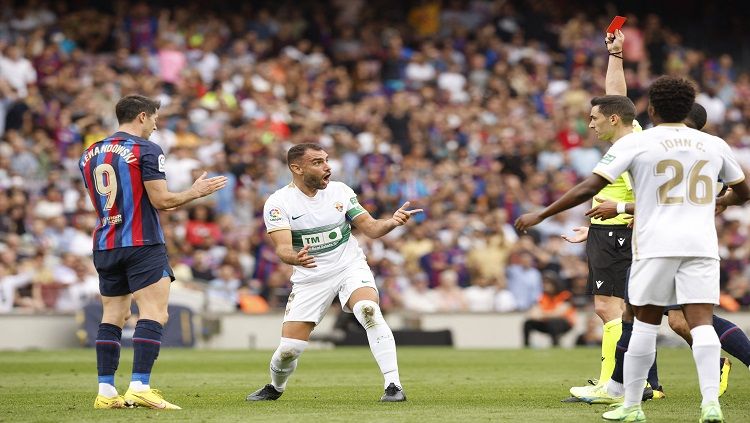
(733, 339)
(146, 345)
(107, 352)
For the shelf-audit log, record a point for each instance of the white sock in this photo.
(615, 389)
(107, 390)
(380, 337)
(638, 359)
(706, 352)
(138, 386)
(284, 361)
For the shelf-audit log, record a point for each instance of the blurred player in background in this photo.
(124, 175)
(309, 222)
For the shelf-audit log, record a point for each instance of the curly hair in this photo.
(672, 98)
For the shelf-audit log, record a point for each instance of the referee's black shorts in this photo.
(609, 256)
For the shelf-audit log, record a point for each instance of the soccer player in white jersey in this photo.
(309, 222)
(675, 247)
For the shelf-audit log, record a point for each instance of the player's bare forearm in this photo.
(175, 200)
(287, 254)
(378, 227)
(577, 195)
(282, 241)
(163, 199)
(375, 228)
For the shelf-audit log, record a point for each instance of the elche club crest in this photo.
(339, 206)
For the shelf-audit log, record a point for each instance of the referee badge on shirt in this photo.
(339, 206)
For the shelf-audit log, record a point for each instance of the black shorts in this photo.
(609, 256)
(125, 270)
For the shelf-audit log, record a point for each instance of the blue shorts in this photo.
(125, 270)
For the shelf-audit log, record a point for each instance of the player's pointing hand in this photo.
(204, 186)
(403, 215)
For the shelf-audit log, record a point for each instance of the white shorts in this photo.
(674, 280)
(309, 301)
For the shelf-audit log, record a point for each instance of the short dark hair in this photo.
(697, 117)
(131, 106)
(616, 105)
(295, 153)
(671, 98)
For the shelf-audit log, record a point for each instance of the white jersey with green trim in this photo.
(322, 222)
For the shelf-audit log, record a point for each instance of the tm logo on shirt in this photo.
(322, 239)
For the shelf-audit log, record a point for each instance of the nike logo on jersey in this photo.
(599, 284)
(621, 241)
(297, 217)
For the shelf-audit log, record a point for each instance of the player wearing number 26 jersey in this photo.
(674, 169)
(114, 170)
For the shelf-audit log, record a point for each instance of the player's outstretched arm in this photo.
(162, 199)
(282, 241)
(375, 228)
(582, 234)
(577, 195)
(614, 82)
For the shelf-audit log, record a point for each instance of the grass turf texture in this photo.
(344, 385)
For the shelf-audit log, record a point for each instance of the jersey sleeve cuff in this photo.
(358, 214)
(604, 175)
(735, 182)
(278, 229)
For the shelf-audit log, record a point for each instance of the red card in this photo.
(616, 24)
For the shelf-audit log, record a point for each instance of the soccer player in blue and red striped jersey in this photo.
(124, 175)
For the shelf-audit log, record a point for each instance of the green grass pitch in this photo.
(344, 385)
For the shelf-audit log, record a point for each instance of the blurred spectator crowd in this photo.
(475, 111)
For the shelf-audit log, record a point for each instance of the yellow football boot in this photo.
(102, 402)
(151, 398)
(726, 366)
